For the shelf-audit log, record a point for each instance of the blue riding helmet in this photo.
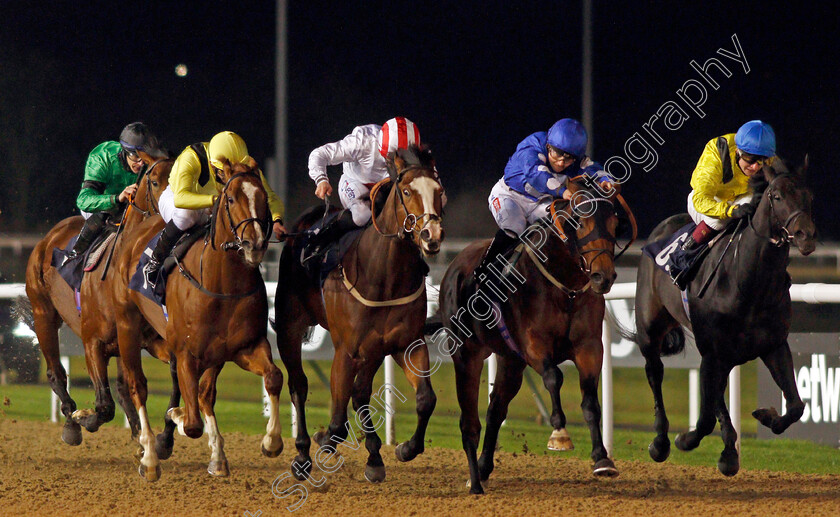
(568, 135)
(756, 137)
(137, 137)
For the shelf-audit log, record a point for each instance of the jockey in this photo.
(110, 181)
(721, 188)
(534, 177)
(193, 190)
(362, 154)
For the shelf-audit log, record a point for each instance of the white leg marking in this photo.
(147, 441)
(272, 439)
(218, 461)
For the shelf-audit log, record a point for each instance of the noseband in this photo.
(262, 224)
(785, 236)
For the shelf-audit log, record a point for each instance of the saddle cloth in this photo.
(72, 271)
(138, 281)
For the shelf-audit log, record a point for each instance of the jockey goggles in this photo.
(753, 158)
(558, 153)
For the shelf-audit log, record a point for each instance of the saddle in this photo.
(318, 269)
(138, 281)
(72, 271)
(681, 265)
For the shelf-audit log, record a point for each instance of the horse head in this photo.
(242, 212)
(786, 206)
(153, 181)
(591, 218)
(419, 197)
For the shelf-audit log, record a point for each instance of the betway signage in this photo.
(816, 364)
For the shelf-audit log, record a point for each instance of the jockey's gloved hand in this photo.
(744, 210)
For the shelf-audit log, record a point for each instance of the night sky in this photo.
(476, 77)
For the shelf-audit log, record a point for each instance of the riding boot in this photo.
(168, 238)
(501, 243)
(702, 234)
(331, 232)
(90, 230)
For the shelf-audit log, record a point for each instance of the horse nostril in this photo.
(426, 235)
(433, 246)
(597, 277)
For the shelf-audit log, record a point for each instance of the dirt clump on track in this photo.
(40, 475)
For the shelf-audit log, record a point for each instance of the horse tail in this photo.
(22, 311)
(672, 343)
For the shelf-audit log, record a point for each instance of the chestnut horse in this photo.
(218, 312)
(374, 305)
(53, 301)
(553, 312)
(744, 314)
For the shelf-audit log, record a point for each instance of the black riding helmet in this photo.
(136, 137)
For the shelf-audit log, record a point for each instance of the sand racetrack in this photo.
(40, 475)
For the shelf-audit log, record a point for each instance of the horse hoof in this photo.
(86, 418)
(176, 415)
(164, 444)
(767, 417)
(478, 490)
(301, 467)
(269, 454)
(375, 474)
(560, 441)
(320, 438)
(681, 442)
(729, 464)
(72, 433)
(605, 468)
(150, 475)
(660, 449)
(403, 452)
(218, 468)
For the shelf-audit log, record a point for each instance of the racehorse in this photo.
(374, 305)
(554, 313)
(217, 312)
(53, 301)
(744, 313)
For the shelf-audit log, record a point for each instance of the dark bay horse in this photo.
(53, 301)
(553, 313)
(217, 314)
(374, 305)
(744, 314)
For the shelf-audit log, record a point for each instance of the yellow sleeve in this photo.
(706, 180)
(184, 178)
(274, 202)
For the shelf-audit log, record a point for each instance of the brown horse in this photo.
(374, 305)
(552, 312)
(217, 313)
(53, 301)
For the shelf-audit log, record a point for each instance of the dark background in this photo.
(477, 77)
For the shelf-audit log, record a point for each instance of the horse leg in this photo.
(135, 379)
(588, 360)
(97, 365)
(165, 441)
(425, 397)
(362, 389)
(218, 465)
(47, 322)
(780, 365)
(506, 385)
(728, 463)
(187, 418)
(341, 385)
(553, 380)
(258, 361)
(298, 391)
(660, 448)
(124, 399)
(467, 379)
(709, 387)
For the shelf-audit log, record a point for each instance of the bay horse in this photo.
(744, 314)
(374, 305)
(52, 302)
(217, 312)
(553, 313)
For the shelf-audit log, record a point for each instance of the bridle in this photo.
(411, 221)
(151, 203)
(785, 236)
(237, 228)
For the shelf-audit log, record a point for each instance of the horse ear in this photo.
(392, 167)
(223, 174)
(805, 164)
(251, 163)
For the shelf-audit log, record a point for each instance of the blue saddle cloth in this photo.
(667, 252)
(72, 271)
(320, 269)
(138, 281)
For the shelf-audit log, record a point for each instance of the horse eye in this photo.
(407, 192)
(155, 184)
(777, 197)
(230, 200)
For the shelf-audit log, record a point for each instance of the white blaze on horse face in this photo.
(426, 187)
(251, 192)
